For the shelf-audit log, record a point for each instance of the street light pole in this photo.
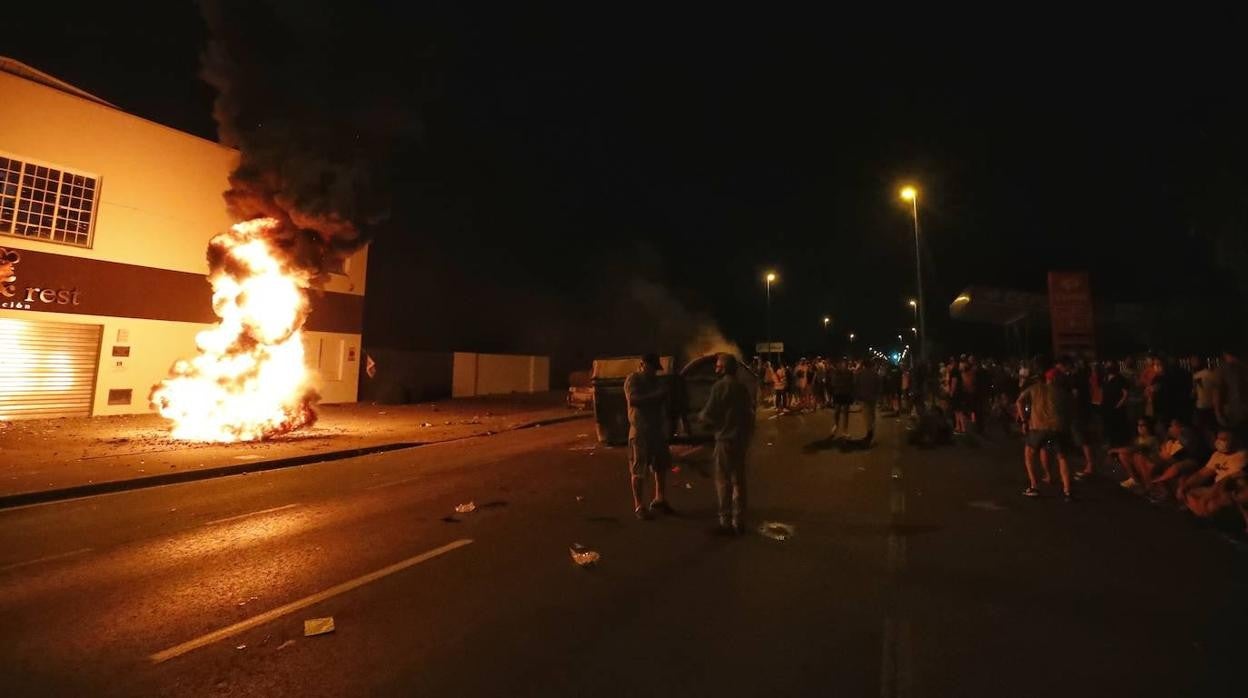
(771, 276)
(911, 195)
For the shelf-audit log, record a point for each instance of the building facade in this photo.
(105, 219)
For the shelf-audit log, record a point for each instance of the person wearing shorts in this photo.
(647, 435)
(1047, 427)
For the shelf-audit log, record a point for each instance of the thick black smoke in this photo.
(322, 100)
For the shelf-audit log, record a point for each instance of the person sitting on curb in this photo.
(1213, 488)
(1145, 446)
(1179, 451)
(1180, 456)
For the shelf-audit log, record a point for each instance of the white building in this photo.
(105, 219)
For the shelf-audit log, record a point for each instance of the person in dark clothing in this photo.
(648, 453)
(1114, 407)
(841, 383)
(730, 412)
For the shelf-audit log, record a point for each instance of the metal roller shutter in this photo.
(47, 369)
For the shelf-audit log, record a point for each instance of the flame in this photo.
(249, 381)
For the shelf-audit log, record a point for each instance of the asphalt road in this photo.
(911, 573)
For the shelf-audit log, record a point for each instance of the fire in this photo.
(249, 381)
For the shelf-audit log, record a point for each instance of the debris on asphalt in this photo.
(986, 505)
(770, 443)
(688, 485)
(583, 556)
(425, 424)
(241, 647)
(675, 468)
(318, 626)
(579, 498)
(777, 531)
(467, 508)
(285, 644)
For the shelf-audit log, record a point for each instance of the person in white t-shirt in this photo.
(1213, 488)
(1204, 382)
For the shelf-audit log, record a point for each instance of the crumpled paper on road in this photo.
(583, 556)
(466, 508)
(318, 626)
(777, 531)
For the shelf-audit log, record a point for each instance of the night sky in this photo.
(565, 155)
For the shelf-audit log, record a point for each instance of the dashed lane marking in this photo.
(46, 558)
(250, 513)
(254, 621)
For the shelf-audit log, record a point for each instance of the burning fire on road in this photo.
(249, 380)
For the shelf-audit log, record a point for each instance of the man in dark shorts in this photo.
(1048, 426)
(1075, 382)
(841, 384)
(647, 435)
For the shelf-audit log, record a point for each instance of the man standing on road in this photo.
(647, 435)
(867, 390)
(1048, 425)
(730, 412)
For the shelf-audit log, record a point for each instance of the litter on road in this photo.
(777, 531)
(986, 505)
(285, 644)
(318, 626)
(583, 556)
(466, 508)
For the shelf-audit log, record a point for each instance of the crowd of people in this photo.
(1189, 443)
(1188, 448)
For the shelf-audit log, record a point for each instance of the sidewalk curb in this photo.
(10, 501)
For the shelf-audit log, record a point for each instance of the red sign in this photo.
(1070, 307)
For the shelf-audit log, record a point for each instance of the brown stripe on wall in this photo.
(63, 284)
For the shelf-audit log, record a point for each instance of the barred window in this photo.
(46, 203)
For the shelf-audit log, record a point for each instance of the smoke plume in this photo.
(675, 327)
(319, 115)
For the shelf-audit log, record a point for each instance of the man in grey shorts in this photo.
(647, 435)
(730, 412)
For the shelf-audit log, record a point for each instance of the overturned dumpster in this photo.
(697, 377)
(610, 407)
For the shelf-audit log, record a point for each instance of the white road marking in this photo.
(395, 482)
(47, 558)
(896, 553)
(896, 678)
(250, 513)
(897, 503)
(254, 621)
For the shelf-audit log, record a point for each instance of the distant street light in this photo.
(912, 195)
(771, 277)
(851, 336)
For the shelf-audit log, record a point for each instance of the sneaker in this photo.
(1083, 475)
(1068, 497)
(1031, 492)
(661, 506)
(738, 528)
(1128, 484)
(642, 514)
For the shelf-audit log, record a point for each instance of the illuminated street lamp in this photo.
(912, 195)
(771, 277)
